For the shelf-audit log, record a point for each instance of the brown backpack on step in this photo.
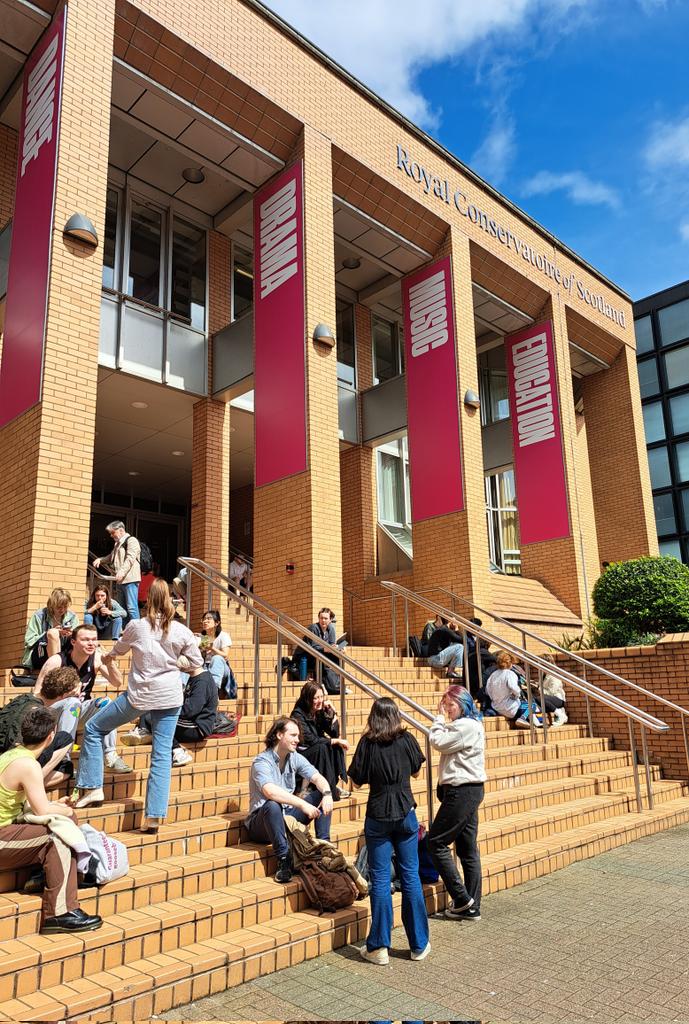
(327, 890)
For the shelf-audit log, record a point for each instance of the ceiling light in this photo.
(177, 453)
(139, 405)
(351, 263)
(194, 175)
(133, 472)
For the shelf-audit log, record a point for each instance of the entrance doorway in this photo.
(166, 535)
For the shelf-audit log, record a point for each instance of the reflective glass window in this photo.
(671, 548)
(679, 413)
(643, 329)
(143, 278)
(659, 465)
(648, 378)
(677, 366)
(242, 281)
(188, 296)
(665, 514)
(682, 453)
(674, 322)
(653, 422)
(345, 343)
(110, 239)
(387, 357)
(685, 507)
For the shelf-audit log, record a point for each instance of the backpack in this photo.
(415, 647)
(109, 857)
(11, 719)
(327, 890)
(428, 872)
(224, 725)
(145, 556)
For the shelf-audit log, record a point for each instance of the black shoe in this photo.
(284, 871)
(467, 914)
(35, 883)
(72, 921)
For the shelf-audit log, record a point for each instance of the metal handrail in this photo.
(633, 714)
(287, 628)
(588, 664)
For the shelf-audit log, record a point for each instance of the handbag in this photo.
(20, 675)
(109, 857)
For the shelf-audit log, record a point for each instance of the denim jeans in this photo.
(457, 822)
(383, 838)
(75, 713)
(119, 712)
(219, 669)
(108, 628)
(267, 825)
(451, 657)
(130, 595)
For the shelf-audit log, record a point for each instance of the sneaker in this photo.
(181, 756)
(284, 871)
(342, 793)
(521, 723)
(73, 921)
(422, 953)
(470, 913)
(379, 957)
(560, 717)
(136, 737)
(113, 763)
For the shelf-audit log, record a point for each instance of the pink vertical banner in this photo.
(21, 373)
(435, 458)
(279, 328)
(539, 468)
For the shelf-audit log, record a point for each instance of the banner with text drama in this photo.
(435, 459)
(539, 468)
(21, 372)
(279, 328)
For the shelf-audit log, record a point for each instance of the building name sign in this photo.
(441, 189)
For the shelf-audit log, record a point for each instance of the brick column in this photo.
(298, 519)
(625, 521)
(46, 454)
(452, 551)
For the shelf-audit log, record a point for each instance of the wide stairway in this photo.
(199, 910)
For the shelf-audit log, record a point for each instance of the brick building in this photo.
(164, 389)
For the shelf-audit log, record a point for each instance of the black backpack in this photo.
(145, 557)
(11, 719)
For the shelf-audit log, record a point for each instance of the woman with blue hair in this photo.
(458, 734)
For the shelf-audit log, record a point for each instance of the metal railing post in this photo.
(686, 742)
(543, 711)
(319, 672)
(279, 670)
(343, 708)
(393, 612)
(209, 596)
(647, 768)
(635, 766)
(589, 716)
(465, 660)
(429, 779)
(406, 624)
(257, 664)
(529, 695)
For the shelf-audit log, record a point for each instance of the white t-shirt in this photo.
(222, 641)
(503, 689)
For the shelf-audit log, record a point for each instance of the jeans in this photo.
(119, 712)
(267, 824)
(457, 822)
(451, 657)
(130, 596)
(221, 672)
(75, 713)
(183, 733)
(383, 838)
(108, 628)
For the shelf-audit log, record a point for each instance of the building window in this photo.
(672, 548)
(648, 377)
(679, 414)
(665, 513)
(388, 356)
(643, 329)
(674, 322)
(653, 422)
(684, 495)
(659, 465)
(110, 239)
(677, 366)
(242, 282)
(503, 526)
(188, 299)
(346, 345)
(495, 404)
(394, 505)
(682, 453)
(145, 234)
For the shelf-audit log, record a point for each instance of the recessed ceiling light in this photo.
(351, 263)
(177, 453)
(139, 405)
(194, 175)
(134, 472)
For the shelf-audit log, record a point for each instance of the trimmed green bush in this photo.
(639, 600)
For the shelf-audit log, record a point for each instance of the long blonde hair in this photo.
(59, 598)
(160, 611)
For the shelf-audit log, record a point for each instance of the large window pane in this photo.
(685, 507)
(345, 343)
(386, 351)
(679, 413)
(390, 488)
(682, 453)
(653, 422)
(664, 513)
(672, 548)
(110, 240)
(503, 522)
(242, 282)
(674, 322)
(143, 279)
(659, 466)
(188, 295)
(648, 378)
(643, 330)
(677, 367)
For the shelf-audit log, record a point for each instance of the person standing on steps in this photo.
(154, 685)
(125, 562)
(459, 735)
(386, 758)
(272, 785)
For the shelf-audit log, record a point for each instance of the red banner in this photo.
(279, 326)
(539, 468)
(21, 373)
(435, 459)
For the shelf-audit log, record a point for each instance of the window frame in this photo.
(398, 342)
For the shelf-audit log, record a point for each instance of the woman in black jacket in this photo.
(319, 739)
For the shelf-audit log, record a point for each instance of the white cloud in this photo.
(576, 185)
(668, 145)
(493, 157)
(684, 230)
(666, 157)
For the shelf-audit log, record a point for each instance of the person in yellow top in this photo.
(21, 846)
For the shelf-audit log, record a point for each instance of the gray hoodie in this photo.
(461, 744)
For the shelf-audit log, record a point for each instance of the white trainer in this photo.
(181, 756)
(379, 957)
(422, 954)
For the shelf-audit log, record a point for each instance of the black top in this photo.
(87, 672)
(317, 729)
(441, 638)
(387, 768)
(200, 703)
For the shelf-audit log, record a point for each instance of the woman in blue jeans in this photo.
(154, 685)
(386, 758)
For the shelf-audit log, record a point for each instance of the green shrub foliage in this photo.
(639, 600)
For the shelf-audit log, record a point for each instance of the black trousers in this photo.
(551, 704)
(457, 822)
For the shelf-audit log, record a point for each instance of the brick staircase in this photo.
(199, 911)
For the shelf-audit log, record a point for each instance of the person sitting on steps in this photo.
(272, 785)
(505, 694)
(214, 644)
(320, 741)
(49, 630)
(322, 629)
(103, 612)
(22, 846)
(554, 696)
(446, 649)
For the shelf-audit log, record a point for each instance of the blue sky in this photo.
(578, 110)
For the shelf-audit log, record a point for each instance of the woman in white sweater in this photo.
(459, 735)
(154, 685)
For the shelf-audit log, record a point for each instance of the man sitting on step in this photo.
(271, 794)
(75, 711)
(23, 845)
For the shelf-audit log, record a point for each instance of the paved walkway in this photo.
(604, 940)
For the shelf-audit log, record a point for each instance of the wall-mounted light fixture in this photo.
(472, 400)
(194, 175)
(351, 263)
(80, 229)
(324, 336)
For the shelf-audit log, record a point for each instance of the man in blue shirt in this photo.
(272, 783)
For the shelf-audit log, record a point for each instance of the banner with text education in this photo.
(279, 328)
(435, 460)
(21, 373)
(539, 468)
